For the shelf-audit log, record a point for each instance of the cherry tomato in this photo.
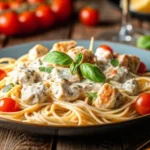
(89, 16)
(2, 74)
(9, 23)
(142, 68)
(3, 6)
(142, 104)
(62, 9)
(35, 1)
(28, 22)
(106, 47)
(45, 16)
(8, 105)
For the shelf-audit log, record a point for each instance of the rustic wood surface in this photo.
(110, 20)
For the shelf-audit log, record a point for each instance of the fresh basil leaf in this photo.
(79, 58)
(8, 87)
(46, 69)
(92, 96)
(59, 58)
(144, 42)
(114, 62)
(92, 72)
(74, 67)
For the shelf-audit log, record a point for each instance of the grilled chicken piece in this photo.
(103, 58)
(35, 93)
(69, 92)
(88, 55)
(23, 75)
(37, 51)
(119, 74)
(132, 87)
(64, 91)
(60, 73)
(130, 61)
(64, 46)
(108, 97)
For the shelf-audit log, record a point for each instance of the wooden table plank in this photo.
(13, 140)
(100, 142)
(136, 138)
(3, 40)
(59, 32)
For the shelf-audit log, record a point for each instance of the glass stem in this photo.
(125, 13)
(126, 27)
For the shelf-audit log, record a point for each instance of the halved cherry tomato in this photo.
(106, 47)
(45, 16)
(142, 104)
(89, 16)
(142, 68)
(9, 23)
(28, 22)
(114, 72)
(2, 74)
(35, 1)
(8, 105)
(3, 6)
(62, 9)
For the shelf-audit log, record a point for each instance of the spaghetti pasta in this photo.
(61, 98)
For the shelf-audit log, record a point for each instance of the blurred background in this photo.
(125, 21)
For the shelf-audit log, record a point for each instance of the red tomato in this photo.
(35, 1)
(142, 104)
(45, 16)
(89, 16)
(28, 22)
(3, 6)
(106, 47)
(2, 74)
(8, 105)
(9, 23)
(62, 9)
(142, 68)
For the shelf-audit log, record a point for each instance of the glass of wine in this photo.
(127, 33)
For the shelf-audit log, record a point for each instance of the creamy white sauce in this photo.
(34, 93)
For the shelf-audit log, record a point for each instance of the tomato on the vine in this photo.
(3, 6)
(89, 16)
(2, 74)
(62, 9)
(9, 23)
(106, 47)
(8, 105)
(45, 16)
(142, 104)
(142, 68)
(28, 22)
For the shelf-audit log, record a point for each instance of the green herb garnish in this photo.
(46, 69)
(8, 87)
(144, 42)
(79, 58)
(74, 67)
(92, 72)
(92, 96)
(114, 62)
(59, 58)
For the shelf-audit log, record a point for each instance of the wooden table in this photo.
(110, 20)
